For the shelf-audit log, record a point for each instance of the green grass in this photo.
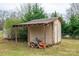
(1, 32)
(67, 47)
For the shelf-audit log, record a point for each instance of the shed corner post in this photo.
(45, 33)
(28, 35)
(15, 31)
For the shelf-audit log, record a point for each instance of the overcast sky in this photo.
(48, 7)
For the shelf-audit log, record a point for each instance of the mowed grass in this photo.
(1, 33)
(67, 47)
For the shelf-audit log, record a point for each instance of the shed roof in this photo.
(39, 21)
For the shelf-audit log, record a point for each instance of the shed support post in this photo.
(45, 33)
(52, 34)
(16, 35)
(28, 36)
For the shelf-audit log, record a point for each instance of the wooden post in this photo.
(52, 33)
(25, 27)
(16, 35)
(28, 36)
(45, 33)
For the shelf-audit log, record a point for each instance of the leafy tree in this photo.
(73, 17)
(34, 12)
(8, 26)
(38, 12)
(31, 12)
(10, 22)
(74, 25)
(63, 26)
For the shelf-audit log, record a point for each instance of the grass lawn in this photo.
(1, 34)
(67, 47)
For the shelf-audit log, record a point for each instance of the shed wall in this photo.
(53, 32)
(57, 31)
(36, 31)
(49, 34)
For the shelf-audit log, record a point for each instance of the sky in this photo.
(58, 7)
(48, 7)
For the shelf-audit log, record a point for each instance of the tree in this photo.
(30, 12)
(8, 26)
(73, 17)
(74, 25)
(38, 12)
(54, 14)
(34, 11)
(73, 10)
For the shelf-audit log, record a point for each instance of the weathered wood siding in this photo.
(36, 31)
(49, 34)
(57, 31)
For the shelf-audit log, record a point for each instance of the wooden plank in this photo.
(52, 33)
(15, 35)
(28, 36)
(44, 33)
(57, 30)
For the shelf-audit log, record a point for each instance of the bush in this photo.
(23, 35)
(8, 31)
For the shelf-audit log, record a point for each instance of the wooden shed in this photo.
(48, 30)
